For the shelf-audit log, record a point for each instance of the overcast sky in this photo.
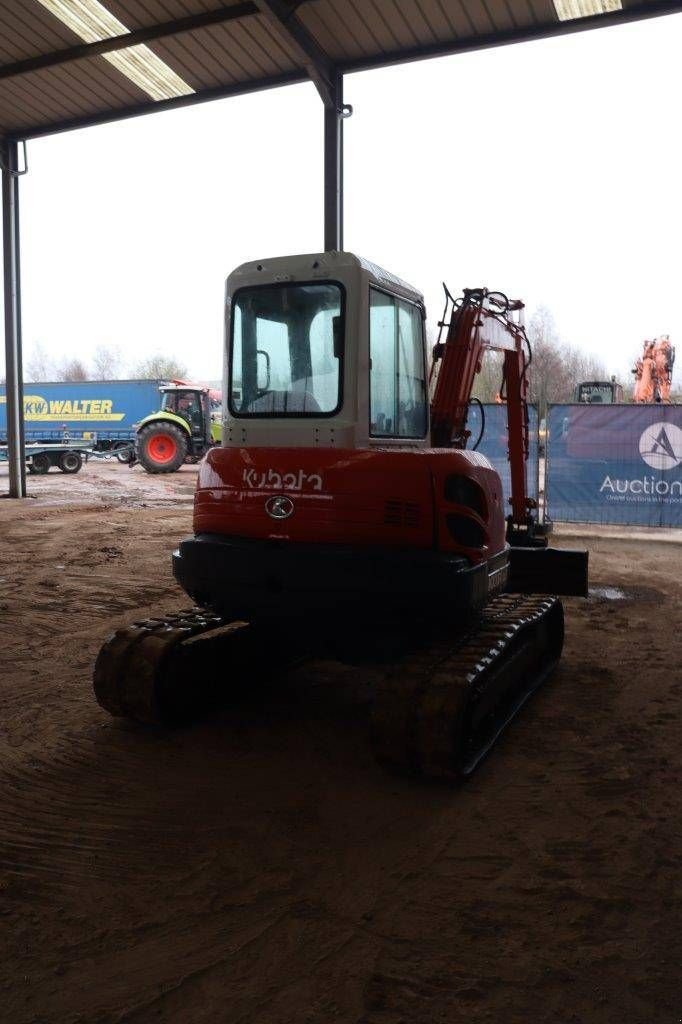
(550, 170)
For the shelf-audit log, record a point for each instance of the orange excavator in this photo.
(654, 371)
(344, 514)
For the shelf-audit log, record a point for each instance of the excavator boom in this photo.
(480, 322)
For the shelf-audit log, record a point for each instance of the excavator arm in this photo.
(480, 322)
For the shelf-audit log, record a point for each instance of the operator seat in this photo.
(273, 402)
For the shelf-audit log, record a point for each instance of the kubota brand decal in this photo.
(274, 481)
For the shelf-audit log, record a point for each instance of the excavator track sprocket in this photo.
(439, 712)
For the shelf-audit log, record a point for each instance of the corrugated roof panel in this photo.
(543, 11)
(216, 58)
(441, 18)
(399, 18)
(500, 14)
(382, 34)
(17, 107)
(257, 41)
(479, 16)
(338, 33)
(190, 57)
(63, 92)
(222, 54)
(26, 30)
(136, 14)
(411, 13)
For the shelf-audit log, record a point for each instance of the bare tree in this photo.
(160, 367)
(556, 367)
(74, 369)
(38, 367)
(488, 382)
(106, 362)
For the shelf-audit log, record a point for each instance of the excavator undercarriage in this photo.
(440, 707)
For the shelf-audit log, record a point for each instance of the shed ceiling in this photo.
(52, 80)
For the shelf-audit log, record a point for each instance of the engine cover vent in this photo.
(401, 513)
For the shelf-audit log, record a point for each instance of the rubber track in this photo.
(135, 663)
(438, 713)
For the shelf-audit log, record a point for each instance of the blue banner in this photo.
(615, 464)
(494, 444)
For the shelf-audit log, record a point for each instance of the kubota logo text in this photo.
(661, 446)
(274, 481)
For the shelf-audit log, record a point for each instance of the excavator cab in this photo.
(330, 352)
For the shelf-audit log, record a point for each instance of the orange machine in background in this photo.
(654, 371)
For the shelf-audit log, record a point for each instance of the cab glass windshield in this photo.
(286, 350)
(596, 393)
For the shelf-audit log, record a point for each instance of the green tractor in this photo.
(187, 425)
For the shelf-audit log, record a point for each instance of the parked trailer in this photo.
(68, 457)
(101, 413)
(40, 458)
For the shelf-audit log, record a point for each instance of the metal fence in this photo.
(494, 444)
(617, 464)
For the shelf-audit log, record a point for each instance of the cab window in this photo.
(397, 371)
(287, 343)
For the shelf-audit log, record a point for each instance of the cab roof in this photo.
(318, 265)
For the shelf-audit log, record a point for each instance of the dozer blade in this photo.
(440, 712)
(543, 570)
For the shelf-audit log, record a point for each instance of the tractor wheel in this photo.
(70, 462)
(122, 451)
(40, 463)
(162, 447)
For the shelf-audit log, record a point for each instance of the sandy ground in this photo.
(261, 868)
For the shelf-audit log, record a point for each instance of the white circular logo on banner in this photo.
(661, 446)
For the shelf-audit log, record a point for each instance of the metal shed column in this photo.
(334, 114)
(12, 295)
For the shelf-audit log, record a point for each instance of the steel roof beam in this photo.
(290, 30)
(164, 30)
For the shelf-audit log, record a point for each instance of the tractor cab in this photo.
(192, 405)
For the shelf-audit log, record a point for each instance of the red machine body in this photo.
(362, 498)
